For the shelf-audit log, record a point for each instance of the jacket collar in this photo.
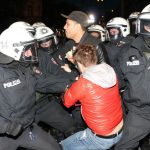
(85, 35)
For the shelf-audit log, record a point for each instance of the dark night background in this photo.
(48, 11)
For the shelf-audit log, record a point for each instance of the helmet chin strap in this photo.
(116, 41)
(25, 64)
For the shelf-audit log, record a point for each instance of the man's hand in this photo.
(66, 68)
(69, 56)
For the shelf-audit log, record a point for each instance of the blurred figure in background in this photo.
(24, 25)
(133, 22)
(38, 24)
(98, 31)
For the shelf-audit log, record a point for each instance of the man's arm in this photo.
(50, 83)
(74, 94)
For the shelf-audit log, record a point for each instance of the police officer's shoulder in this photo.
(130, 48)
(2, 74)
(137, 42)
(129, 39)
(6, 73)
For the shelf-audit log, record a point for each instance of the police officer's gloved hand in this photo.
(14, 128)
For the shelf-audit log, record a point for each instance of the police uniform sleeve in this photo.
(49, 83)
(119, 68)
(3, 125)
(7, 126)
(10, 128)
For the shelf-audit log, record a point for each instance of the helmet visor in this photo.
(133, 25)
(114, 33)
(32, 31)
(145, 27)
(47, 43)
(46, 39)
(96, 34)
(29, 53)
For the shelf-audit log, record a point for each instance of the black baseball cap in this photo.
(78, 16)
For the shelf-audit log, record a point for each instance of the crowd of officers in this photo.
(37, 67)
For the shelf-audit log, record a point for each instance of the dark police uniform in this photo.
(18, 111)
(135, 66)
(48, 64)
(61, 119)
(113, 50)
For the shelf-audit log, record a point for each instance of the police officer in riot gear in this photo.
(24, 25)
(47, 45)
(134, 63)
(118, 30)
(38, 24)
(98, 31)
(19, 112)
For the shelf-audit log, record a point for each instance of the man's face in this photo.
(147, 28)
(96, 34)
(28, 53)
(46, 44)
(113, 31)
(71, 28)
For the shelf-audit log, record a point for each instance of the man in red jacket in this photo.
(97, 91)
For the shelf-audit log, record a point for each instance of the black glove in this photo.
(14, 128)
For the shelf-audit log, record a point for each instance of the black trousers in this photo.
(76, 114)
(135, 129)
(52, 112)
(39, 140)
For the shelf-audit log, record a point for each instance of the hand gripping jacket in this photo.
(97, 90)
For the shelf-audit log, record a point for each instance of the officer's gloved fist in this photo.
(14, 128)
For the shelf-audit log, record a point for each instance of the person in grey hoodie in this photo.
(98, 93)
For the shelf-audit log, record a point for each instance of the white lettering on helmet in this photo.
(12, 83)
